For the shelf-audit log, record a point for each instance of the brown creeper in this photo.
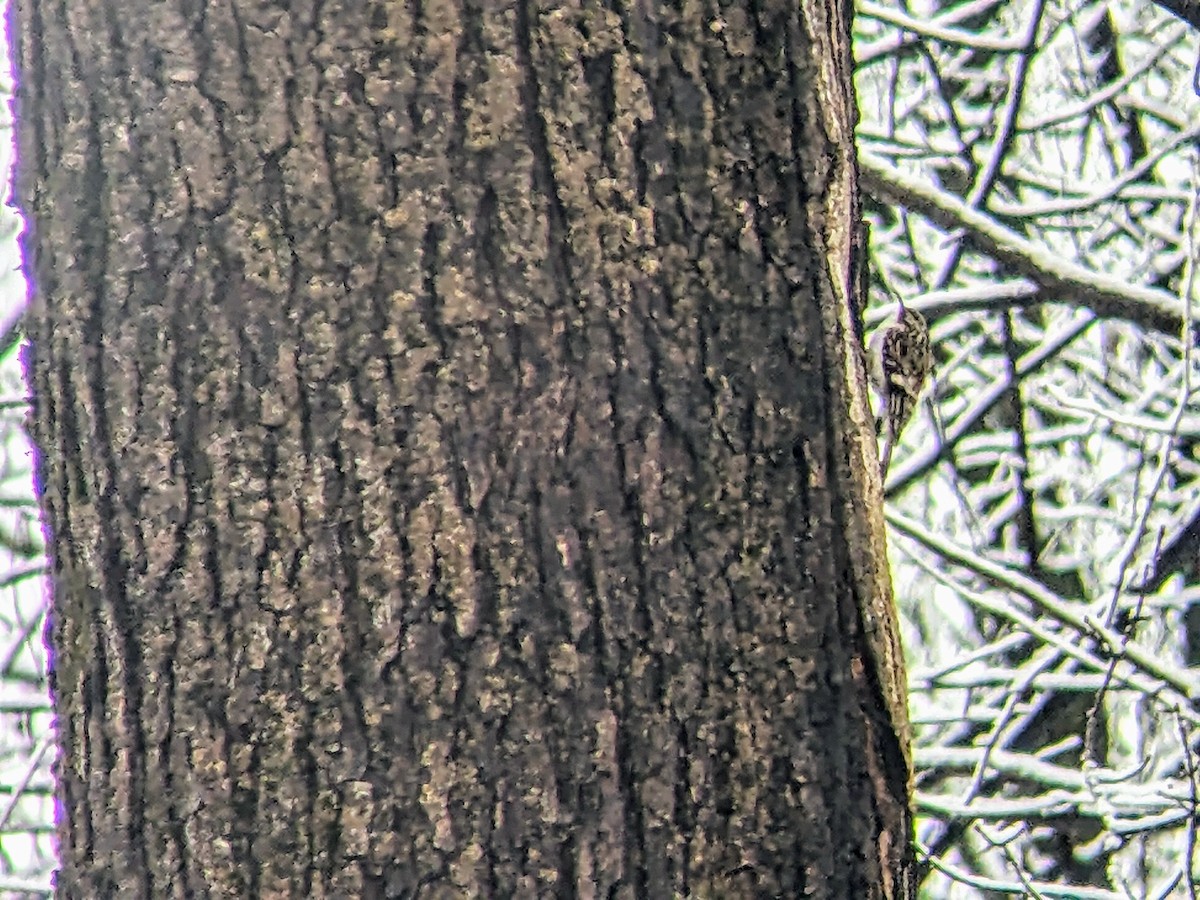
(900, 361)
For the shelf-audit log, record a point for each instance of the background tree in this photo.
(455, 446)
(1031, 169)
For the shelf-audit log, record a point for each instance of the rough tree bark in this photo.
(454, 444)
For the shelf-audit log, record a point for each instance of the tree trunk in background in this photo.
(455, 447)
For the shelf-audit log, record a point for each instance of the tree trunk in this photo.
(454, 443)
